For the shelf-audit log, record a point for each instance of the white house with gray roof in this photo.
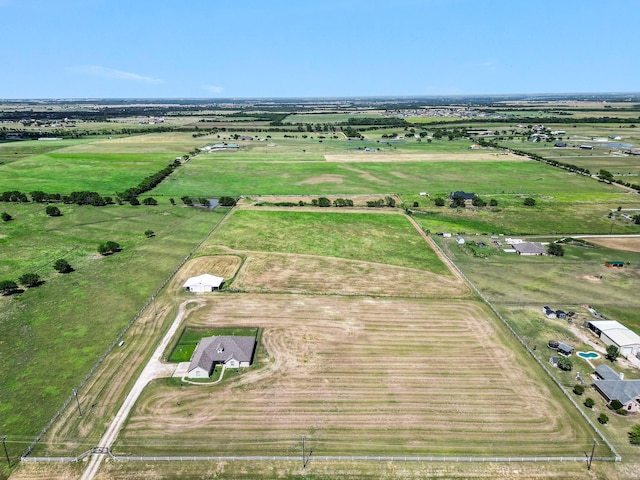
(230, 351)
(612, 386)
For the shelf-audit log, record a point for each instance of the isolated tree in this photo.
(30, 280)
(187, 200)
(634, 435)
(149, 233)
(613, 353)
(390, 201)
(588, 402)
(493, 202)
(555, 249)
(62, 266)
(636, 219)
(439, 202)
(603, 419)
(578, 389)
(150, 201)
(53, 211)
(416, 204)
(204, 201)
(8, 286)
(172, 201)
(324, 202)
(530, 202)
(108, 247)
(113, 246)
(134, 201)
(6, 217)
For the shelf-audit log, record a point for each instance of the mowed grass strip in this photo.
(363, 376)
(53, 334)
(388, 239)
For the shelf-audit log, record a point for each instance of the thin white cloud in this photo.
(484, 64)
(105, 72)
(213, 88)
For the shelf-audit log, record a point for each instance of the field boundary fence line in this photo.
(119, 339)
(327, 458)
(617, 456)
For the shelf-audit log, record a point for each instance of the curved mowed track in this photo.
(358, 375)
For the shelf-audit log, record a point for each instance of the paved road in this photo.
(154, 369)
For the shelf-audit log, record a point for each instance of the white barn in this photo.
(203, 283)
(612, 332)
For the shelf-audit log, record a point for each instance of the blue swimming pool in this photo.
(588, 355)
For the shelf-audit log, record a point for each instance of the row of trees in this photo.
(31, 280)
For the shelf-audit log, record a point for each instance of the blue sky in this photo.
(302, 48)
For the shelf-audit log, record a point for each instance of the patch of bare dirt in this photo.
(328, 178)
(592, 278)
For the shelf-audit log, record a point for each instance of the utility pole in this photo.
(155, 313)
(5, 450)
(75, 394)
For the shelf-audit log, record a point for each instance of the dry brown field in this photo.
(629, 244)
(360, 375)
(426, 157)
(336, 276)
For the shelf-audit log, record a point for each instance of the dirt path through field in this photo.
(155, 368)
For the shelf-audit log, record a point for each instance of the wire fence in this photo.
(324, 458)
(117, 340)
(617, 456)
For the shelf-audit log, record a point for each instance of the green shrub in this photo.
(588, 402)
(602, 418)
(615, 405)
(578, 389)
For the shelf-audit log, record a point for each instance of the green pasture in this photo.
(206, 175)
(330, 118)
(12, 151)
(54, 333)
(566, 281)
(553, 214)
(67, 172)
(388, 239)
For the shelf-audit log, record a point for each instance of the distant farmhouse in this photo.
(612, 386)
(466, 196)
(203, 283)
(230, 351)
(612, 332)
